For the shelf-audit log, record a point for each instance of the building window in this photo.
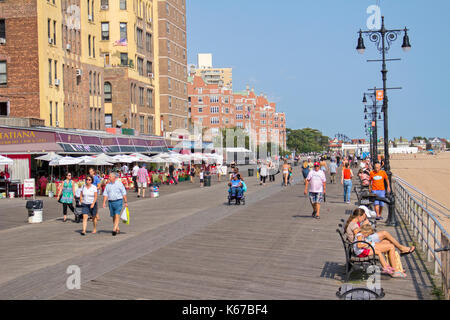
(214, 120)
(150, 125)
(239, 117)
(239, 108)
(139, 37)
(140, 65)
(149, 67)
(2, 29)
(214, 99)
(168, 65)
(50, 82)
(214, 109)
(141, 96)
(106, 59)
(148, 42)
(123, 31)
(141, 123)
(48, 28)
(93, 47)
(150, 98)
(200, 109)
(124, 59)
(108, 120)
(169, 83)
(105, 4)
(170, 102)
(56, 69)
(105, 30)
(107, 92)
(54, 33)
(123, 4)
(3, 74)
(51, 114)
(90, 82)
(89, 45)
(4, 109)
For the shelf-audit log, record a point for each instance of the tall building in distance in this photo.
(219, 76)
(217, 107)
(172, 66)
(130, 55)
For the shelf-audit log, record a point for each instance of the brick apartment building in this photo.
(217, 107)
(172, 65)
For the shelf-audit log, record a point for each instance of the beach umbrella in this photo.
(124, 158)
(65, 161)
(157, 159)
(6, 161)
(104, 157)
(49, 157)
(97, 162)
(140, 157)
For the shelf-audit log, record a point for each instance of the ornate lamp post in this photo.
(383, 39)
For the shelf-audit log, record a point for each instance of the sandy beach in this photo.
(428, 173)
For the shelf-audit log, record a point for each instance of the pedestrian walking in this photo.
(305, 171)
(116, 195)
(171, 170)
(202, 176)
(285, 170)
(88, 198)
(271, 172)
(142, 179)
(134, 174)
(377, 178)
(66, 195)
(264, 173)
(316, 186)
(346, 181)
(333, 169)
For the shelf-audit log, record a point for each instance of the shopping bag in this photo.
(125, 216)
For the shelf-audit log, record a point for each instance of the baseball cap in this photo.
(316, 164)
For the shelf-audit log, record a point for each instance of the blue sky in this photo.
(302, 55)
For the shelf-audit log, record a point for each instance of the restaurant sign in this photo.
(17, 136)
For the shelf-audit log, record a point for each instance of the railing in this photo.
(423, 215)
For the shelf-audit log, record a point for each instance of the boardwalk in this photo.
(190, 245)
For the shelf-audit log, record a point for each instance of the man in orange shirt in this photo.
(377, 178)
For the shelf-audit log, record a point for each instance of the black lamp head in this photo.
(360, 47)
(406, 46)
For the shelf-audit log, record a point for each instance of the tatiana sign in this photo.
(17, 136)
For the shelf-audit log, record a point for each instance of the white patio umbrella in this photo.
(124, 158)
(6, 161)
(97, 162)
(65, 161)
(157, 159)
(139, 157)
(104, 157)
(49, 157)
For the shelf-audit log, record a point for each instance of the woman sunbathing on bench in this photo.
(363, 250)
(359, 219)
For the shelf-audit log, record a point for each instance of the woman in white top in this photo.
(88, 198)
(264, 173)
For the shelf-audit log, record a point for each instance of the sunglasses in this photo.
(88, 179)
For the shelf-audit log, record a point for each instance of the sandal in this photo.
(411, 250)
(398, 274)
(317, 217)
(388, 270)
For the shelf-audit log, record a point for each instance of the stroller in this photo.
(238, 200)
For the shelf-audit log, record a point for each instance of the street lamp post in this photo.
(383, 39)
(373, 124)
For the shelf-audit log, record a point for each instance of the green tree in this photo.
(306, 140)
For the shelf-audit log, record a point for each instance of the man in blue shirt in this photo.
(116, 195)
(333, 168)
(96, 179)
(236, 188)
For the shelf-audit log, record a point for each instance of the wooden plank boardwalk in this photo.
(193, 246)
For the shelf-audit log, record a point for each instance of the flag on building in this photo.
(121, 42)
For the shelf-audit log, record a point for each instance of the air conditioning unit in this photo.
(150, 75)
(90, 17)
(150, 20)
(2, 40)
(79, 72)
(57, 123)
(57, 82)
(50, 40)
(104, 7)
(68, 47)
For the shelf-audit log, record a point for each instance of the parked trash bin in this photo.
(251, 172)
(35, 211)
(207, 181)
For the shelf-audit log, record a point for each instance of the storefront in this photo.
(24, 144)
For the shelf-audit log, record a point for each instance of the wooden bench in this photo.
(347, 292)
(351, 260)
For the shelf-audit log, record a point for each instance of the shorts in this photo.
(202, 180)
(115, 207)
(364, 254)
(316, 197)
(381, 194)
(373, 238)
(86, 209)
(142, 185)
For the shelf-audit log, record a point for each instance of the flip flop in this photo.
(411, 250)
(398, 274)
